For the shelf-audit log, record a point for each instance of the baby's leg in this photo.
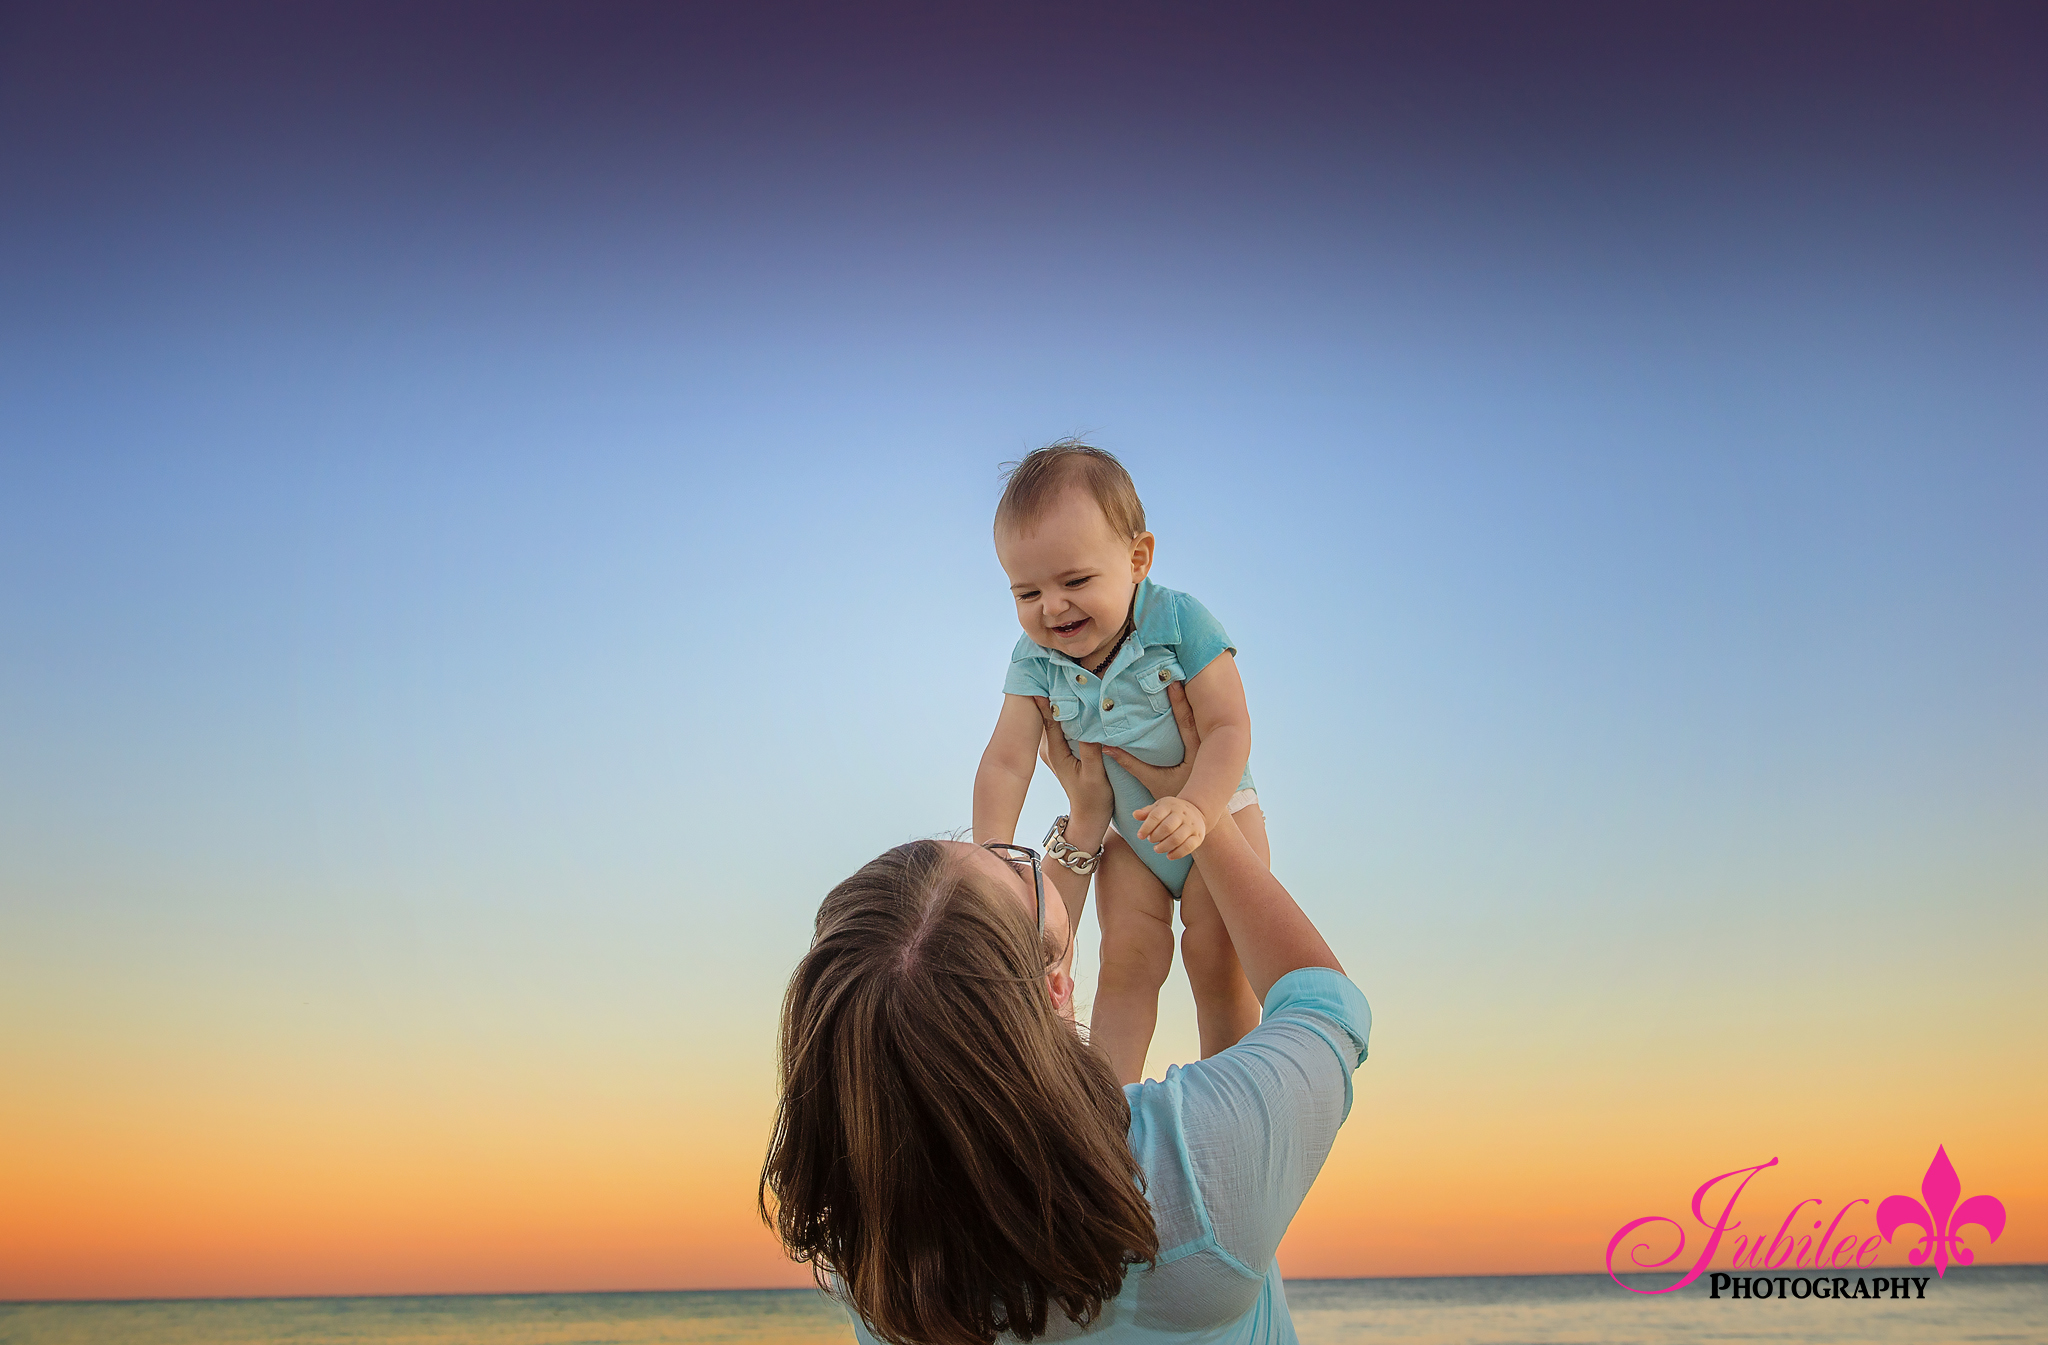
(1136, 915)
(1225, 1008)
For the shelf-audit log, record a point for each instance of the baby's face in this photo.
(1072, 576)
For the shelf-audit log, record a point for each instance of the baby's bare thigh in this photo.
(1128, 890)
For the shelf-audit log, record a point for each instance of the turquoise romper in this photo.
(1175, 638)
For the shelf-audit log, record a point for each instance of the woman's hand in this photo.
(1175, 827)
(1166, 781)
(1089, 801)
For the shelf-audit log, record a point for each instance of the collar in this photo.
(1156, 617)
(1155, 620)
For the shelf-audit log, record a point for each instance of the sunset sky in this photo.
(494, 521)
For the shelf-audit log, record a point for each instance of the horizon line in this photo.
(800, 1289)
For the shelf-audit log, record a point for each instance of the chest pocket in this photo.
(1066, 709)
(1153, 677)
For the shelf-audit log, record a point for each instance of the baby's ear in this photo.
(1141, 556)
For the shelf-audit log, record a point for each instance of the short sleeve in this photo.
(1260, 1117)
(1202, 636)
(1027, 671)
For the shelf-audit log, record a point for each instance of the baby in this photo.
(1103, 645)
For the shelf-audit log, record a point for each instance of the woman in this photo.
(957, 1164)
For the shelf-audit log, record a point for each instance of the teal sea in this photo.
(1972, 1304)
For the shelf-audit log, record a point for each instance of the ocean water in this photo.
(1976, 1304)
(1972, 1304)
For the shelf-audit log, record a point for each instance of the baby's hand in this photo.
(1175, 827)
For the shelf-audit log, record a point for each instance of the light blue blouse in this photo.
(1230, 1146)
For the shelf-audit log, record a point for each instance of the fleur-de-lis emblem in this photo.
(1941, 1217)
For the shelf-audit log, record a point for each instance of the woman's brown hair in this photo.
(946, 1145)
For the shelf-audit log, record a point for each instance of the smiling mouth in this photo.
(1069, 628)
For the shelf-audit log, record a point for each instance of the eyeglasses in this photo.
(1024, 860)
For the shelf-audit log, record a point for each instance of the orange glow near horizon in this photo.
(237, 1133)
(509, 1188)
(234, 1219)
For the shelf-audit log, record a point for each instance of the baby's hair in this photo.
(1031, 484)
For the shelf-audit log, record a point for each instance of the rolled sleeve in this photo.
(1270, 1108)
(1328, 1004)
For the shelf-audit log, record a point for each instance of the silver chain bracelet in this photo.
(1067, 855)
